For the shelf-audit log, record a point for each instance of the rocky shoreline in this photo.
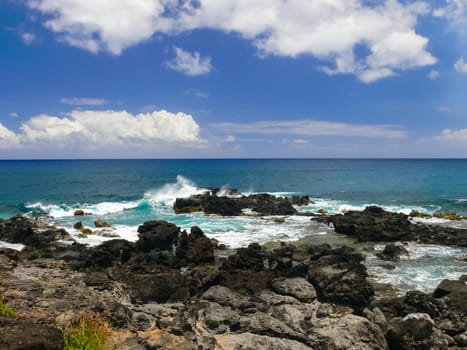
(173, 289)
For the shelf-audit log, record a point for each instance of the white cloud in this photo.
(95, 129)
(13, 115)
(333, 31)
(190, 64)
(28, 38)
(313, 128)
(433, 74)
(83, 101)
(8, 139)
(461, 65)
(454, 11)
(453, 135)
(102, 25)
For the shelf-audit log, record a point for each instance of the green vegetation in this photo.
(5, 310)
(92, 332)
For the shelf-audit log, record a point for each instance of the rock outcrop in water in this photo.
(168, 290)
(377, 225)
(263, 204)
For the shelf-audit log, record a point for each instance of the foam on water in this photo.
(15, 246)
(99, 209)
(336, 206)
(422, 269)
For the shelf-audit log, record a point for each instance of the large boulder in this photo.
(195, 247)
(372, 224)
(22, 334)
(417, 331)
(455, 292)
(339, 276)
(157, 234)
(107, 254)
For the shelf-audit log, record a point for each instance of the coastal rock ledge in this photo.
(170, 290)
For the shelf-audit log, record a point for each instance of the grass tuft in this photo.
(5, 310)
(91, 332)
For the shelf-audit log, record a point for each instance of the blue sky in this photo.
(232, 78)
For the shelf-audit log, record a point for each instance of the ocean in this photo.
(126, 193)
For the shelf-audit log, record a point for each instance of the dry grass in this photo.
(91, 332)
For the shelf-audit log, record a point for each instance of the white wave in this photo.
(169, 192)
(423, 268)
(103, 208)
(337, 206)
(15, 246)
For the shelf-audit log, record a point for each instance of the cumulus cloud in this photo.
(13, 115)
(332, 31)
(453, 135)
(94, 129)
(461, 65)
(313, 128)
(8, 139)
(188, 63)
(83, 101)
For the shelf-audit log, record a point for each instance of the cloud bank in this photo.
(313, 128)
(370, 39)
(96, 129)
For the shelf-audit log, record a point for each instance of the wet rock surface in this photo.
(261, 204)
(377, 225)
(169, 291)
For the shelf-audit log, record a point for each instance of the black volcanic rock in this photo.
(339, 276)
(195, 247)
(263, 204)
(377, 225)
(157, 234)
(20, 229)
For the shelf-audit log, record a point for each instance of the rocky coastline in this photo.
(173, 289)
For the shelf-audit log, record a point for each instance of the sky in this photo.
(233, 79)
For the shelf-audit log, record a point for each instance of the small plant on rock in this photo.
(5, 310)
(91, 332)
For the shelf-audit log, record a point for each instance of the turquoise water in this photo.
(128, 192)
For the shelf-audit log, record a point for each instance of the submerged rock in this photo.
(392, 252)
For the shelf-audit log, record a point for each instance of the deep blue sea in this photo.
(128, 192)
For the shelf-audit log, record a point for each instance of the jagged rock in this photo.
(300, 200)
(377, 225)
(157, 234)
(339, 276)
(416, 331)
(195, 247)
(263, 204)
(392, 252)
(20, 229)
(455, 291)
(23, 334)
(116, 251)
